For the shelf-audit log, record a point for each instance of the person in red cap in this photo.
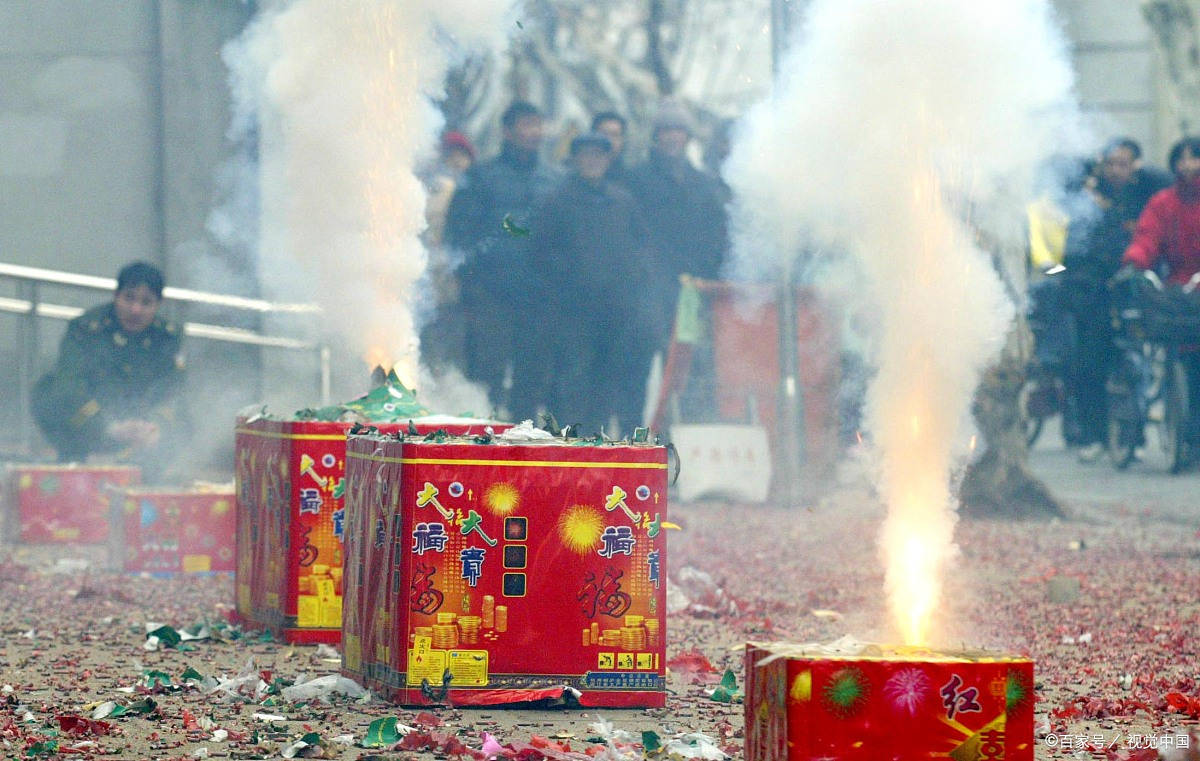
(456, 158)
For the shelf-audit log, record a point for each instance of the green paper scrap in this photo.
(191, 675)
(137, 707)
(391, 402)
(46, 748)
(689, 328)
(382, 733)
(152, 679)
(651, 743)
(512, 228)
(167, 636)
(307, 741)
(727, 691)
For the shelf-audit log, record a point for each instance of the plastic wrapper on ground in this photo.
(504, 573)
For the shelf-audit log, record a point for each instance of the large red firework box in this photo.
(289, 482)
(506, 572)
(63, 503)
(873, 702)
(171, 530)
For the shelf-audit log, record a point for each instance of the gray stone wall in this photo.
(113, 116)
(1118, 73)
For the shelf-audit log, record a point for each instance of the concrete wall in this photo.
(112, 135)
(1118, 72)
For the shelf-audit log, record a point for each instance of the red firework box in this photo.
(171, 531)
(289, 482)
(894, 703)
(494, 573)
(64, 503)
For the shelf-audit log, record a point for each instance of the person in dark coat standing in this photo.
(686, 218)
(488, 222)
(614, 127)
(116, 387)
(588, 245)
(1096, 240)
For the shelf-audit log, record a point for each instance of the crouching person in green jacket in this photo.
(116, 388)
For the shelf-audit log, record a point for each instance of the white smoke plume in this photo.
(896, 128)
(339, 97)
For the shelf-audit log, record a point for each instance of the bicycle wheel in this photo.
(1175, 416)
(1031, 419)
(1124, 423)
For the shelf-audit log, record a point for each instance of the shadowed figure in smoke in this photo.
(1096, 238)
(488, 221)
(685, 217)
(116, 387)
(588, 247)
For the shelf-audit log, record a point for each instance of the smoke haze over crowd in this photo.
(895, 130)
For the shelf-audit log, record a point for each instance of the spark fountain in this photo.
(938, 109)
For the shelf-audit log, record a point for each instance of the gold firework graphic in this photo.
(502, 499)
(580, 527)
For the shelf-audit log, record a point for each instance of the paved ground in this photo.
(1117, 655)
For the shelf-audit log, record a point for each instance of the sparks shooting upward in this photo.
(937, 106)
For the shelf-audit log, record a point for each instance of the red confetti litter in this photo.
(81, 727)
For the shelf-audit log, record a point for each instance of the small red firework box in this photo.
(63, 503)
(483, 574)
(171, 531)
(894, 703)
(289, 482)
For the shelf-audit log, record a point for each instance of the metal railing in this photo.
(30, 304)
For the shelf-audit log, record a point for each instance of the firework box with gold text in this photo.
(169, 531)
(490, 573)
(869, 702)
(66, 503)
(289, 477)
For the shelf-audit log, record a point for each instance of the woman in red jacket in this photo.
(1169, 227)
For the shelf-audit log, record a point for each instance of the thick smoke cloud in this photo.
(897, 130)
(338, 96)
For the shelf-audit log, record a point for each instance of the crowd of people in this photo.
(558, 282)
(1097, 221)
(569, 274)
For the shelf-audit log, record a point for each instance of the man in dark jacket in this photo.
(1096, 239)
(117, 383)
(685, 213)
(488, 221)
(613, 126)
(588, 245)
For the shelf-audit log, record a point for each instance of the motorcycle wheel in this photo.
(1175, 417)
